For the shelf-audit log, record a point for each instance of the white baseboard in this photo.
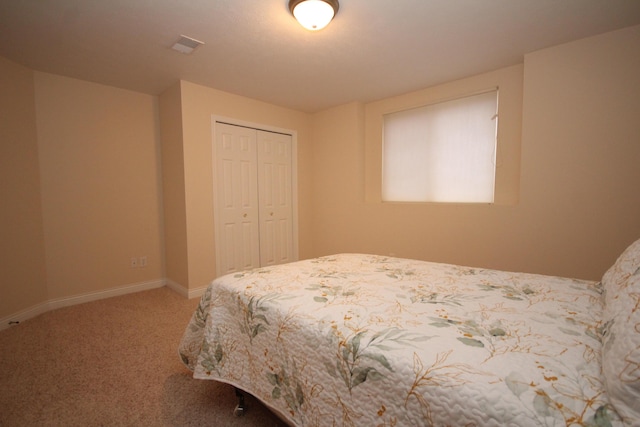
(109, 293)
(177, 287)
(23, 315)
(187, 293)
(54, 304)
(197, 292)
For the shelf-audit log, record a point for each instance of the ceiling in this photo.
(373, 49)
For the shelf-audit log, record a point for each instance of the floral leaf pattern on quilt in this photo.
(254, 319)
(358, 359)
(216, 350)
(352, 340)
(286, 387)
(438, 374)
(324, 293)
(547, 402)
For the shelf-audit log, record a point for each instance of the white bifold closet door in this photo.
(253, 198)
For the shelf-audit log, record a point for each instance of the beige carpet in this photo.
(112, 362)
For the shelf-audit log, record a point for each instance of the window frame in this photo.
(509, 82)
(436, 194)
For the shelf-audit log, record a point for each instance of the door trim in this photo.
(294, 178)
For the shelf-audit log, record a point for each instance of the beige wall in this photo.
(98, 150)
(198, 104)
(22, 265)
(174, 208)
(578, 206)
(82, 193)
(581, 154)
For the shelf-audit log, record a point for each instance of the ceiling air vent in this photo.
(186, 45)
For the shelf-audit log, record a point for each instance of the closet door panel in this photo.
(275, 197)
(236, 199)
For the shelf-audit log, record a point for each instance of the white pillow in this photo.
(621, 338)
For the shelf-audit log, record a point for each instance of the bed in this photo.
(368, 340)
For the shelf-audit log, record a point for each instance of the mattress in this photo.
(368, 340)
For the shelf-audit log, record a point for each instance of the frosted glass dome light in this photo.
(313, 15)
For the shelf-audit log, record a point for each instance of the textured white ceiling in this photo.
(373, 49)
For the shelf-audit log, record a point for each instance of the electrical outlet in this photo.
(143, 261)
(134, 262)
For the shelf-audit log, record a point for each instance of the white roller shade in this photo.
(443, 152)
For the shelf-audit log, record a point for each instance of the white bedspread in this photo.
(364, 340)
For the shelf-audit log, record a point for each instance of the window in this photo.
(444, 152)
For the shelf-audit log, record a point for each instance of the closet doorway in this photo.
(255, 203)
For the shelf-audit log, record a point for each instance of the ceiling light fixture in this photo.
(314, 15)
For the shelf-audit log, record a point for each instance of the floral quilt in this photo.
(366, 340)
